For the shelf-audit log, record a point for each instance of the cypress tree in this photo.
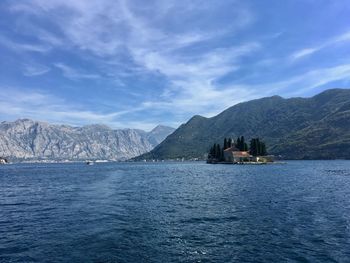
(225, 144)
(218, 151)
(238, 143)
(263, 149)
(245, 148)
(258, 145)
(253, 147)
(211, 153)
(242, 144)
(229, 143)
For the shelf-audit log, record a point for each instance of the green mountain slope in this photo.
(296, 128)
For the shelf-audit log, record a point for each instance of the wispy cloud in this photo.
(193, 88)
(20, 47)
(312, 79)
(73, 73)
(299, 84)
(39, 105)
(110, 29)
(30, 70)
(304, 52)
(328, 43)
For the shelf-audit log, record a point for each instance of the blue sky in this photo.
(141, 63)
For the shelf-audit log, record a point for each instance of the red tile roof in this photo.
(231, 149)
(241, 154)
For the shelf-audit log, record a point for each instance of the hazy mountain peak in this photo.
(159, 133)
(161, 128)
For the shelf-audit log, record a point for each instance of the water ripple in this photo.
(175, 212)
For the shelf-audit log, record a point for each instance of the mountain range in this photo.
(293, 128)
(25, 139)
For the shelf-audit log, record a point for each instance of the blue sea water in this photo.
(175, 212)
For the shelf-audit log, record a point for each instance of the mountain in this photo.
(159, 133)
(28, 139)
(295, 128)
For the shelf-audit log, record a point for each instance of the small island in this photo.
(238, 152)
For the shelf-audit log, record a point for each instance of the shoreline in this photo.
(284, 161)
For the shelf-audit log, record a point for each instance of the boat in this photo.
(3, 160)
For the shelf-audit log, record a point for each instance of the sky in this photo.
(137, 64)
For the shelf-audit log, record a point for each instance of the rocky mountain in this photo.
(295, 128)
(28, 139)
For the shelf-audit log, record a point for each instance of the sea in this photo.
(297, 211)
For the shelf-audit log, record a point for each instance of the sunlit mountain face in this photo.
(25, 139)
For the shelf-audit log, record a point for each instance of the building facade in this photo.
(234, 155)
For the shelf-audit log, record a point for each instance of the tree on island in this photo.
(225, 144)
(241, 144)
(229, 143)
(211, 152)
(216, 153)
(257, 147)
(238, 143)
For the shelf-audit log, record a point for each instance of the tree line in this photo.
(256, 148)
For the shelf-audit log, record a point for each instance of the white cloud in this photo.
(193, 88)
(72, 73)
(299, 84)
(20, 47)
(304, 52)
(108, 29)
(38, 105)
(341, 38)
(316, 78)
(30, 70)
(328, 43)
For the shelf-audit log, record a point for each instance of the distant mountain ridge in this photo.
(295, 128)
(28, 139)
(158, 134)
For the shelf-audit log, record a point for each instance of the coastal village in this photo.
(238, 152)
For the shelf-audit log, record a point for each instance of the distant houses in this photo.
(239, 153)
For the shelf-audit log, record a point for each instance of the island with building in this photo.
(238, 152)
